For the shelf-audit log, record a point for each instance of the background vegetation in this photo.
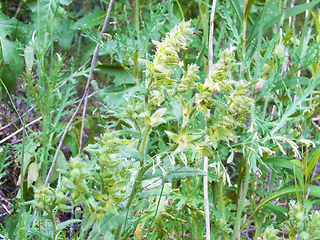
(159, 119)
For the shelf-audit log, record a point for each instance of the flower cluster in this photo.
(189, 78)
(45, 198)
(97, 184)
(221, 78)
(235, 93)
(238, 101)
(167, 55)
(300, 225)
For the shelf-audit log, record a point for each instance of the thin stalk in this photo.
(244, 33)
(54, 227)
(194, 224)
(23, 147)
(137, 23)
(206, 197)
(157, 208)
(236, 229)
(136, 183)
(204, 20)
(145, 137)
(13, 105)
(205, 159)
(180, 9)
(272, 180)
(45, 141)
(225, 235)
(134, 191)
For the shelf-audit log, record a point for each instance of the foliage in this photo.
(161, 112)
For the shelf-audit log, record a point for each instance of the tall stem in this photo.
(145, 137)
(236, 229)
(225, 235)
(29, 77)
(206, 197)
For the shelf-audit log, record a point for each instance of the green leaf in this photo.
(290, 12)
(315, 179)
(297, 162)
(285, 191)
(8, 26)
(33, 173)
(279, 162)
(120, 74)
(173, 136)
(94, 18)
(65, 2)
(308, 205)
(277, 210)
(61, 164)
(63, 32)
(91, 219)
(235, 4)
(313, 161)
(64, 224)
(291, 109)
(130, 152)
(248, 8)
(290, 82)
(184, 172)
(29, 155)
(72, 140)
(12, 64)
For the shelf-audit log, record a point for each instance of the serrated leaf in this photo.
(184, 172)
(63, 32)
(130, 152)
(94, 18)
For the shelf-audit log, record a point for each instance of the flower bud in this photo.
(28, 57)
(259, 84)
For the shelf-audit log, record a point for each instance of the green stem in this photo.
(236, 228)
(54, 227)
(137, 181)
(225, 235)
(13, 105)
(134, 191)
(29, 77)
(180, 9)
(45, 144)
(145, 137)
(273, 178)
(137, 22)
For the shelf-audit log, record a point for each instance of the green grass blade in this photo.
(289, 13)
(313, 161)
